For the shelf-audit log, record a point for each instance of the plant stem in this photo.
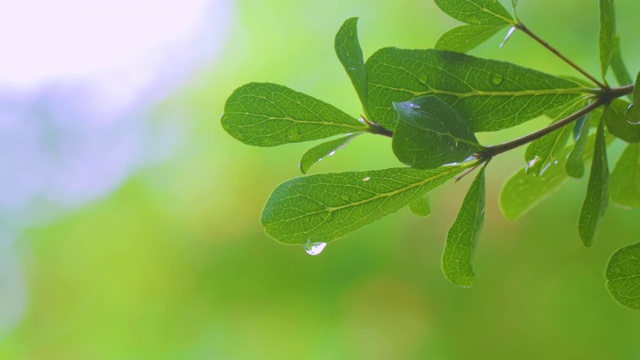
(492, 151)
(535, 37)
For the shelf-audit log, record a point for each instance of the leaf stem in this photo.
(492, 151)
(545, 44)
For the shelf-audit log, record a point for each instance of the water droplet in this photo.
(509, 33)
(314, 248)
(496, 79)
(530, 164)
(352, 33)
(331, 153)
(366, 179)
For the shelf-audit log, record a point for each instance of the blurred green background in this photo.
(174, 264)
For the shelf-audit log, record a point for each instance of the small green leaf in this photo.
(574, 166)
(420, 207)
(544, 151)
(617, 65)
(625, 178)
(476, 12)
(521, 192)
(350, 54)
(317, 153)
(466, 37)
(597, 197)
(491, 95)
(614, 118)
(325, 207)
(429, 133)
(623, 276)
(607, 34)
(632, 115)
(265, 114)
(463, 235)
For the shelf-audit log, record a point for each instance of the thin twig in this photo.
(535, 37)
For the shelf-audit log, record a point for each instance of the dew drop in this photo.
(332, 153)
(531, 164)
(496, 79)
(366, 179)
(314, 248)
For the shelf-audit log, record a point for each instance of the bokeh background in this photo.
(129, 220)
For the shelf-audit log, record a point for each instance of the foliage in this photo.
(431, 103)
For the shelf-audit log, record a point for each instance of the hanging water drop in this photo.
(314, 248)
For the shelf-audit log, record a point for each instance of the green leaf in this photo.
(265, 114)
(463, 235)
(491, 95)
(545, 151)
(632, 115)
(476, 12)
(625, 178)
(607, 34)
(317, 153)
(466, 37)
(623, 276)
(430, 133)
(325, 207)
(420, 207)
(350, 54)
(617, 65)
(574, 166)
(597, 197)
(614, 118)
(521, 192)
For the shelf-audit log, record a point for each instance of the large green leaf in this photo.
(521, 192)
(625, 178)
(607, 34)
(623, 276)
(265, 114)
(597, 197)
(466, 37)
(319, 152)
(477, 12)
(491, 95)
(350, 54)
(325, 207)
(574, 166)
(614, 118)
(463, 235)
(430, 133)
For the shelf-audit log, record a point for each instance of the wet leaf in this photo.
(463, 235)
(632, 115)
(491, 95)
(521, 192)
(623, 276)
(625, 178)
(317, 153)
(421, 207)
(429, 133)
(597, 197)
(617, 124)
(607, 34)
(466, 37)
(477, 12)
(325, 207)
(265, 114)
(574, 166)
(350, 54)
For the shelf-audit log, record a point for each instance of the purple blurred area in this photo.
(79, 84)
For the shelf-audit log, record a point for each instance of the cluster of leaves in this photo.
(431, 103)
